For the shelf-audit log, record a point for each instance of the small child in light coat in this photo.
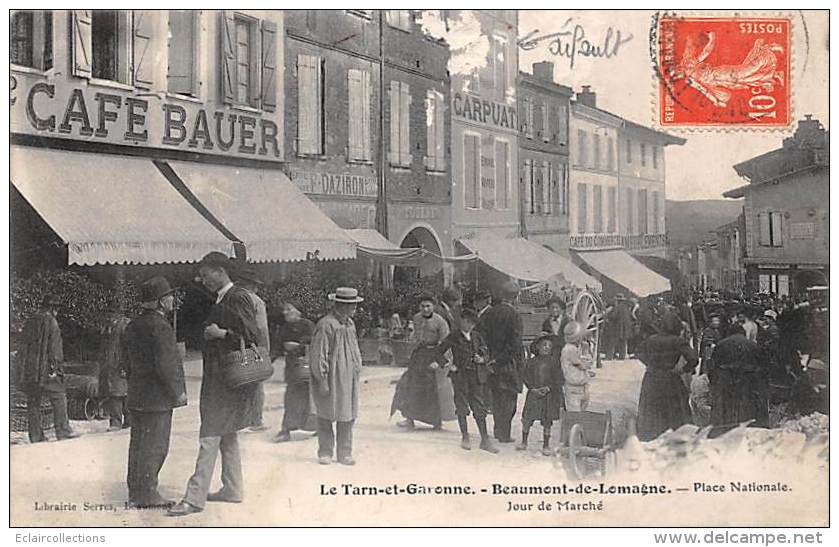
(575, 369)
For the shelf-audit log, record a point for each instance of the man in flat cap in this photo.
(224, 411)
(42, 353)
(502, 326)
(155, 388)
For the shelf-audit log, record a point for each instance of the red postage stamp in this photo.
(725, 72)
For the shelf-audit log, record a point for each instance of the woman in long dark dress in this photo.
(664, 403)
(295, 336)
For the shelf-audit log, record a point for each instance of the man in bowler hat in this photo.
(155, 387)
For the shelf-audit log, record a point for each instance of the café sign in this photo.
(484, 111)
(113, 116)
(335, 184)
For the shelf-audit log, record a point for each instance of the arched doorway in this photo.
(805, 279)
(422, 237)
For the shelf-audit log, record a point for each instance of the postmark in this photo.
(727, 72)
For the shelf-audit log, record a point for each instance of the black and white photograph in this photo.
(418, 268)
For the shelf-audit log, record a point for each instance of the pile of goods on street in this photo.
(802, 441)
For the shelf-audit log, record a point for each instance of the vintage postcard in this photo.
(406, 267)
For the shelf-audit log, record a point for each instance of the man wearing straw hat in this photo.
(335, 362)
(155, 387)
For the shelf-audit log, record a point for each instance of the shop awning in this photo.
(112, 209)
(371, 239)
(267, 212)
(626, 271)
(375, 246)
(528, 261)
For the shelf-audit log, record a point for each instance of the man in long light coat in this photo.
(335, 362)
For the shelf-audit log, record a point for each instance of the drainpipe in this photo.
(381, 202)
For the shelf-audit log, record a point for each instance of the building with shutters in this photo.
(787, 212)
(543, 171)
(371, 151)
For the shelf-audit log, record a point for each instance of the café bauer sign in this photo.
(125, 117)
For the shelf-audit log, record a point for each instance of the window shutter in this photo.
(546, 189)
(354, 90)
(181, 50)
(394, 122)
(365, 115)
(143, 62)
(777, 225)
(307, 99)
(269, 66)
(440, 127)
(430, 130)
(228, 57)
(546, 115)
(405, 125)
(763, 223)
(82, 42)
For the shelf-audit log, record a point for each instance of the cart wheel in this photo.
(586, 312)
(91, 409)
(576, 443)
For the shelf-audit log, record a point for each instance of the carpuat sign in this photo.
(484, 111)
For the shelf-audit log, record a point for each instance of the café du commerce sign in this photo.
(111, 115)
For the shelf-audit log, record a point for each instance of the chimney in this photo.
(587, 97)
(544, 70)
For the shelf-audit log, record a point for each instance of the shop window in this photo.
(400, 124)
(359, 90)
(502, 174)
(249, 63)
(435, 121)
(111, 45)
(182, 73)
(310, 122)
(582, 208)
(30, 39)
(471, 171)
(399, 18)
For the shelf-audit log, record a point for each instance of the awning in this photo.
(528, 261)
(112, 209)
(626, 271)
(265, 211)
(375, 246)
(371, 239)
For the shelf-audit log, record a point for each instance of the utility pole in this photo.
(381, 201)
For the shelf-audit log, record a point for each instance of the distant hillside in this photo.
(689, 222)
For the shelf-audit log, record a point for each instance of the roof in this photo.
(112, 209)
(528, 261)
(660, 136)
(265, 211)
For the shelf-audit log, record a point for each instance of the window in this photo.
(471, 170)
(359, 94)
(435, 128)
(610, 154)
(547, 195)
(582, 208)
(181, 76)
(642, 212)
(563, 194)
(654, 224)
(613, 210)
(774, 284)
(643, 154)
(596, 152)
(771, 228)
(655, 157)
(399, 18)
(630, 211)
(628, 151)
(400, 124)
(582, 148)
(110, 30)
(498, 65)
(310, 122)
(528, 118)
(502, 174)
(530, 185)
(546, 130)
(30, 39)
(597, 207)
(487, 177)
(539, 120)
(248, 74)
(560, 124)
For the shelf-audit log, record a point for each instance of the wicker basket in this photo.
(19, 416)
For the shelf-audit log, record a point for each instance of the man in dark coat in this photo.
(112, 374)
(503, 330)
(42, 353)
(155, 387)
(248, 279)
(224, 411)
(739, 382)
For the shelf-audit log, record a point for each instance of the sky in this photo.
(624, 83)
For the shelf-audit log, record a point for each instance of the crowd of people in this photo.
(708, 361)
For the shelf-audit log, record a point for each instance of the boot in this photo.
(465, 443)
(546, 445)
(486, 443)
(524, 432)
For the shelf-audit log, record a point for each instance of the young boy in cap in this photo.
(469, 373)
(544, 402)
(575, 369)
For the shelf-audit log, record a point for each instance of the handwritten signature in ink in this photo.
(572, 42)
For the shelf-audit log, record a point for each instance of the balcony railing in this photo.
(628, 242)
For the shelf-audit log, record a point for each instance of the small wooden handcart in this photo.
(587, 443)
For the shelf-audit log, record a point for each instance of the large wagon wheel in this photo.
(585, 312)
